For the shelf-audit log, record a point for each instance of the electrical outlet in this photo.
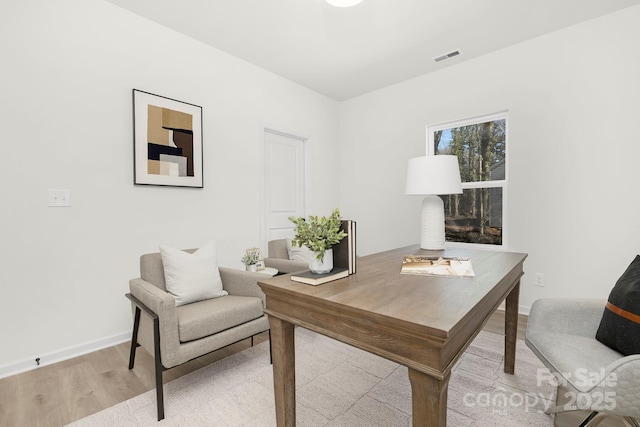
(58, 198)
(540, 279)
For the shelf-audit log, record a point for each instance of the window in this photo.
(477, 215)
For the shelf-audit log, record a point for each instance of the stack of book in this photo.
(344, 253)
(344, 259)
(318, 279)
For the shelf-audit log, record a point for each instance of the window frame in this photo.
(501, 115)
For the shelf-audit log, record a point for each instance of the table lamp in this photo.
(430, 176)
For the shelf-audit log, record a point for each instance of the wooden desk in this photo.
(422, 322)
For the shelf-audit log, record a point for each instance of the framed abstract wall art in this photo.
(167, 140)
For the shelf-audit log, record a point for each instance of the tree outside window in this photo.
(476, 215)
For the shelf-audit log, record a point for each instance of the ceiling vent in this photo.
(447, 56)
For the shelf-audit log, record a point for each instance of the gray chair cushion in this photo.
(565, 353)
(279, 258)
(208, 317)
(152, 269)
(278, 249)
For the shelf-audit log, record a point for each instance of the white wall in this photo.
(66, 113)
(573, 100)
(65, 110)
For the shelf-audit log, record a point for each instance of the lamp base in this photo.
(432, 223)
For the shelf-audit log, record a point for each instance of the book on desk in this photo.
(344, 253)
(318, 279)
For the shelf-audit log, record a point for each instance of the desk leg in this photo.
(284, 371)
(511, 329)
(428, 399)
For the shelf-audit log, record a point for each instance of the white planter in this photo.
(320, 267)
(251, 267)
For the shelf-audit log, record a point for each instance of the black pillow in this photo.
(620, 324)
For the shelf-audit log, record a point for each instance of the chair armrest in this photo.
(565, 316)
(625, 376)
(285, 265)
(163, 305)
(242, 283)
(157, 300)
(141, 306)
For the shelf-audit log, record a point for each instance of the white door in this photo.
(284, 184)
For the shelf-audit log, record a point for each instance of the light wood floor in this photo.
(58, 394)
(55, 395)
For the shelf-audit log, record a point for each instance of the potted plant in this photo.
(319, 234)
(250, 259)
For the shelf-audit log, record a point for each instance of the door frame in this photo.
(307, 147)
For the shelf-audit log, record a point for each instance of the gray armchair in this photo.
(175, 335)
(279, 258)
(562, 335)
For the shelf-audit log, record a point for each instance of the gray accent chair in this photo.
(279, 258)
(175, 335)
(562, 334)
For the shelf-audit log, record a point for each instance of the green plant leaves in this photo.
(318, 233)
(251, 257)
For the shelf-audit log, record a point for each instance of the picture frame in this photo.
(260, 264)
(167, 140)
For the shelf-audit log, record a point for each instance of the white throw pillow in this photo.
(192, 277)
(297, 253)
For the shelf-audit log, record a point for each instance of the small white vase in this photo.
(251, 267)
(321, 267)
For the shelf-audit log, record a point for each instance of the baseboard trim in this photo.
(522, 309)
(63, 354)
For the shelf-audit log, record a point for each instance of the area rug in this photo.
(339, 385)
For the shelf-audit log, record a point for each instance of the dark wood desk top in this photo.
(427, 309)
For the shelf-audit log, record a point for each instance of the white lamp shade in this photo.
(343, 3)
(433, 175)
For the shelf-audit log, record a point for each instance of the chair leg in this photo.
(588, 419)
(632, 421)
(270, 349)
(134, 338)
(159, 368)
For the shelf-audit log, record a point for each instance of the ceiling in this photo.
(345, 52)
